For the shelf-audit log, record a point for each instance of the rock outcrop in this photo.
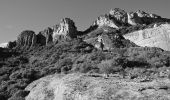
(105, 20)
(66, 29)
(119, 14)
(45, 37)
(106, 39)
(96, 87)
(158, 36)
(26, 39)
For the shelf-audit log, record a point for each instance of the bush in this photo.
(109, 66)
(19, 95)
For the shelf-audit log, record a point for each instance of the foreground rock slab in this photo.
(97, 87)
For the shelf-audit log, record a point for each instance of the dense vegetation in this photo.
(19, 68)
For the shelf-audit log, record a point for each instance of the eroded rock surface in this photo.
(27, 39)
(158, 36)
(97, 87)
(65, 29)
(45, 37)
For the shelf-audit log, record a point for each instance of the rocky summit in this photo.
(121, 56)
(118, 17)
(65, 29)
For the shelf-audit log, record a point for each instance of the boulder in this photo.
(26, 39)
(45, 37)
(66, 29)
(96, 87)
(157, 36)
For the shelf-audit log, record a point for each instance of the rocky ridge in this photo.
(118, 17)
(66, 29)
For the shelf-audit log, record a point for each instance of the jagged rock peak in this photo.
(105, 20)
(26, 39)
(119, 14)
(119, 18)
(144, 14)
(65, 28)
(45, 37)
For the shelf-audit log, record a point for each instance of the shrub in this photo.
(19, 95)
(109, 66)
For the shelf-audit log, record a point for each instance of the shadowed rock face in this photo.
(66, 29)
(45, 37)
(158, 36)
(96, 87)
(26, 39)
(11, 44)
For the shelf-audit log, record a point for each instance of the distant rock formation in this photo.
(118, 18)
(96, 87)
(26, 39)
(45, 37)
(66, 29)
(157, 36)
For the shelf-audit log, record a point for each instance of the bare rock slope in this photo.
(158, 36)
(97, 87)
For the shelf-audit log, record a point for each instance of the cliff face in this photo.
(65, 29)
(26, 39)
(158, 36)
(45, 37)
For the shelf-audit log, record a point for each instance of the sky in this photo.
(36, 15)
